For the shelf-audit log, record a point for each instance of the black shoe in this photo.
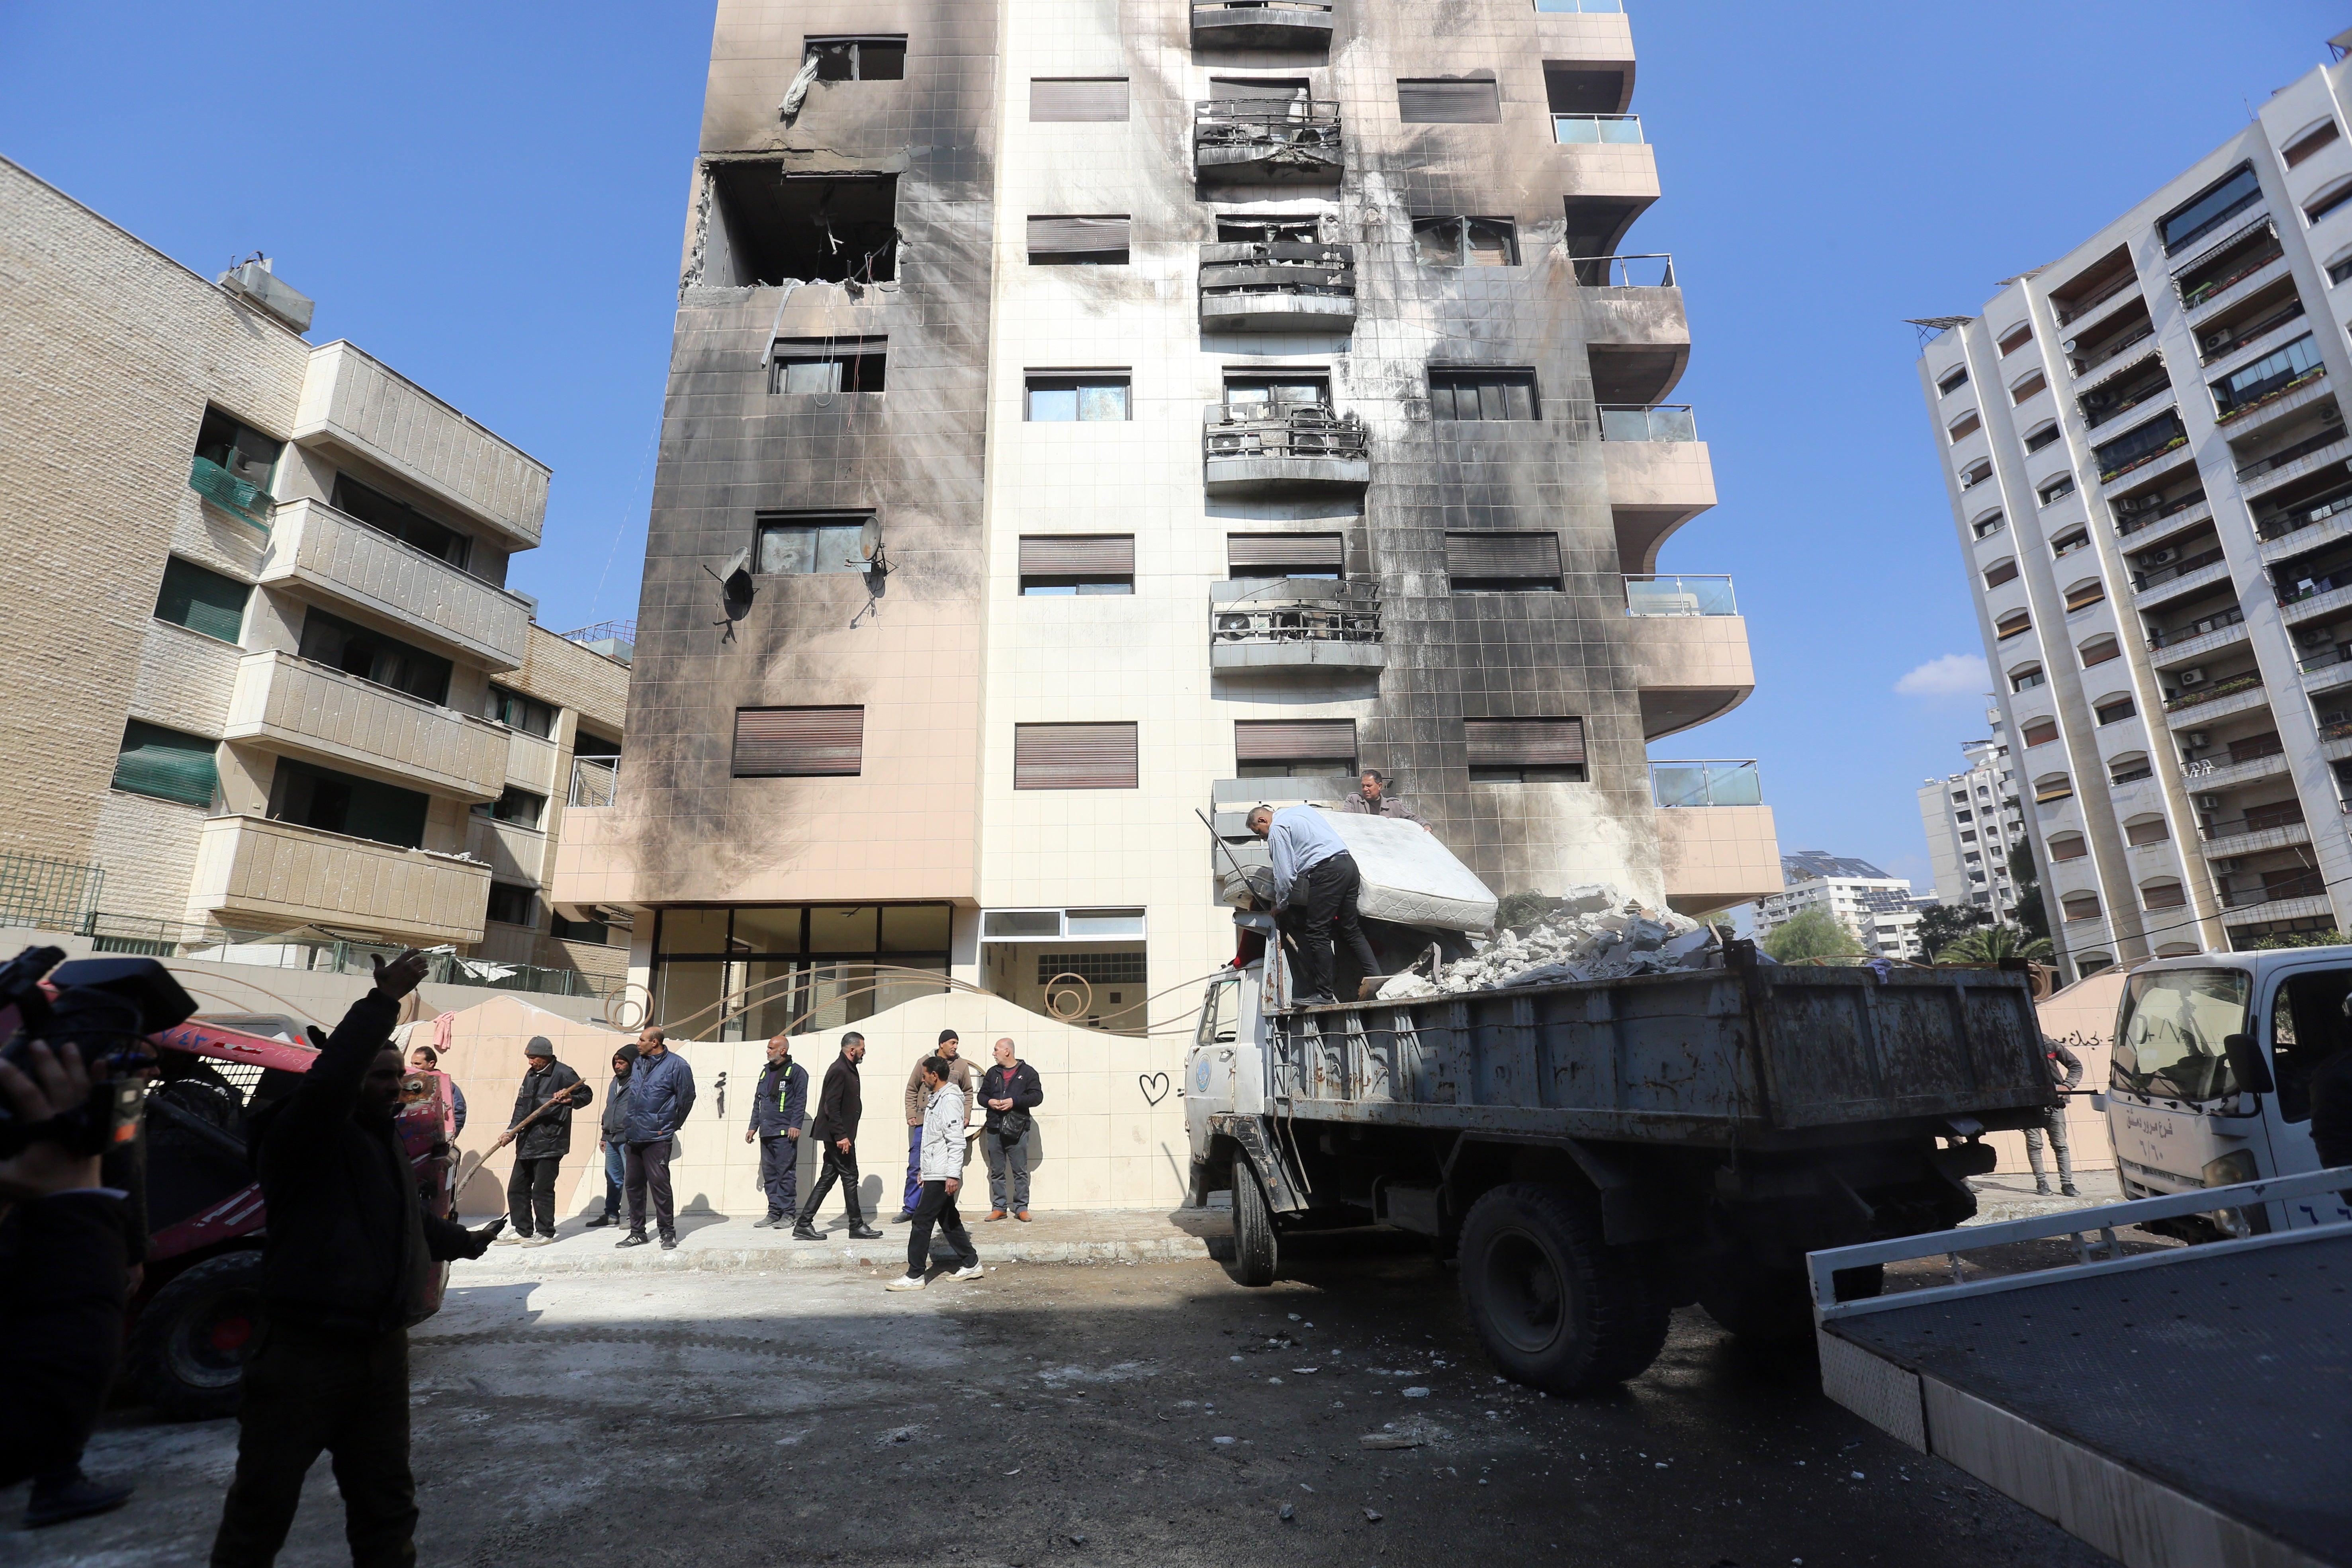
(603, 1220)
(903, 1219)
(77, 1497)
(863, 1232)
(803, 1231)
(2068, 1189)
(669, 1242)
(635, 1239)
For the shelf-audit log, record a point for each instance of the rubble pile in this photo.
(1593, 933)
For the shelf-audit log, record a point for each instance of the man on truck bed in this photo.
(1316, 883)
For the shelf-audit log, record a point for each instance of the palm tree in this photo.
(1992, 943)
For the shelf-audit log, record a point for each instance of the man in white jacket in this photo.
(941, 1168)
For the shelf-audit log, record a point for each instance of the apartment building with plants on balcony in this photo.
(268, 685)
(2145, 446)
(1203, 402)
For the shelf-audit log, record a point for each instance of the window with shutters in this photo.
(810, 544)
(335, 801)
(2304, 146)
(2055, 491)
(1058, 564)
(2130, 768)
(1429, 100)
(1503, 562)
(1987, 525)
(2081, 906)
(2028, 385)
(510, 905)
(2051, 787)
(371, 656)
(1955, 379)
(516, 711)
(2068, 847)
(202, 600)
(2017, 623)
(1319, 555)
(1090, 396)
(2016, 339)
(1294, 748)
(1975, 474)
(2163, 895)
(799, 742)
(1465, 241)
(1966, 426)
(880, 58)
(1074, 756)
(770, 225)
(828, 365)
(2085, 594)
(523, 807)
(2041, 435)
(2100, 649)
(2040, 731)
(1092, 98)
(1525, 750)
(2328, 201)
(1481, 394)
(2025, 678)
(168, 764)
(2000, 572)
(2067, 544)
(1078, 241)
(2113, 709)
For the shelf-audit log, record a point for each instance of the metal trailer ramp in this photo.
(2188, 1409)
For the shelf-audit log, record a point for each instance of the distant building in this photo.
(1973, 819)
(1878, 909)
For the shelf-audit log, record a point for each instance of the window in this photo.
(1294, 748)
(516, 711)
(2085, 594)
(1268, 228)
(2304, 146)
(2041, 435)
(2159, 435)
(2051, 787)
(828, 365)
(2272, 373)
(1966, 426)
(594, 932)
(1068, 563)
(239, 450)
(2068, 847)
(2129, 768)
(2334, 196)
(1085, 395)
(2016, 623)
(2040, 731)
(2219, 203)
(1074, 757)
(513, 906)
(1465, 242)
(1292, 389)
(402, 520)
(2100, 649)
(1321, 555)
(799, 742)
(2056, 489)
(374, 656)
(2037, 382)
(2026, 678)
(1436, 102)
(2337, 271)
(2080, 906)
(2070, 541)
(1095, 98)
(882, 59)
(1525, 750)
(767, 225)
(1484, 394)
(1957, 378)
(167, 765)
(1503, 562)
(2000, 572)
(1976, 473)
(2016, 338)
(797, 544)
(202, 600)
(1987, 525)
(2115, 709)
(519, 807)
(1078, 241)
(2163, 896)
(334, 802)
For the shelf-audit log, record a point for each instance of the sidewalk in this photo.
(2006, 1197)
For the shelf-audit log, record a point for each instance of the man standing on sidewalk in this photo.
(2066, 1071)
(608, 1139)
(779, 1104)
(839, 1107)
(661, 1095)
(945, 1113)
(539, 1148)
(1010, 1091)
(960, 1073)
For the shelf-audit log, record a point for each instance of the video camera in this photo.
(104, 1007)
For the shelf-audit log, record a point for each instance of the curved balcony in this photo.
(1716, 846)
(1294, 625)
(1266, 141)
(1293, 24)
(1300, 448)
(1689, 649)
(1262, 286)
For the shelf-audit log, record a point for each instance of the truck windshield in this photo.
(1219, 1013)
(2170, 1043)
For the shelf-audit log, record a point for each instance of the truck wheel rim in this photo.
(1526, 1291)
(212, 1345)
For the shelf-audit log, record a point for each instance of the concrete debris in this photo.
(1592, 934)
(1289, 1513)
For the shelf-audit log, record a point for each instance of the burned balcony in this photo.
(1294, 624)
(1262, 286)
(1296, 24)
(1266, 141)
(1282, 448)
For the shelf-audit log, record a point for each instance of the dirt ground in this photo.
(1122, 1414)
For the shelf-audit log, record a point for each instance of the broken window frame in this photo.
(855, 365)
(1496, 388)
(853, 48)
(827, 542)
(1453, 241)
(1089, 392)
(1269, 228)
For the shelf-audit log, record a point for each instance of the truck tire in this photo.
(188, 1349)
(1774, 1307)
(1554, 1305)
(1256, 1251)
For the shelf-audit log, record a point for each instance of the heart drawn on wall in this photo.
(1154, 1086)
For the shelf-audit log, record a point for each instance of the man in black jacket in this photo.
(609, 1136)
(347, 1267)
(839, 1104)
(1010, 1091)
(779, 1105)
(539, 1148)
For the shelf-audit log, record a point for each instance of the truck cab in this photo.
(2210, 1079)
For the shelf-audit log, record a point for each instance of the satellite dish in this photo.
(736, 588)
(869, 540)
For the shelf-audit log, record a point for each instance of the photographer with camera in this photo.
(347, 1267)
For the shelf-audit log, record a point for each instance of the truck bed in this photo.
(1758, 1055)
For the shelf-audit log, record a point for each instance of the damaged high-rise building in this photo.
(1085, 419)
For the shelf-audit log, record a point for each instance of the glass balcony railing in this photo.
(1585, 130)
(1647, 597)
(1666, 422)
(243, 497)
(1624, 271)
(1590, 7)
(1707, 784)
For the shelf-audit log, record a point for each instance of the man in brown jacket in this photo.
(917, 1097)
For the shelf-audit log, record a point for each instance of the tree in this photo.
(2026, 880)
(1811, 933)
(1940, 925)
(2300, 938)
(1991, 944)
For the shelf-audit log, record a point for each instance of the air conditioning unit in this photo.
(2213, 341)
(2208, 803)
(2225, 867)
(2193, 675)
(2312, 636)
(2159, 558)
(2196, 739)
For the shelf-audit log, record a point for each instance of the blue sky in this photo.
(490, 198)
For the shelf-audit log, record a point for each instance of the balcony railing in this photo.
(1624, 271)
(1276, 284)
(1646, 597)
(1266, 138)
(2191, 298)
(2106, 352)
(2196, 629)
(2289, 815)
(1666, 422)
(1271, 445)
(2285, 524)
(1586, 129)
(242, 499)
(2129, 522)
(2143, 581)
(1297, 622)
(2079, 309)
(593, 783)
(2289, 453)
(1707, 784)
(2212, 693)
(1261, 24)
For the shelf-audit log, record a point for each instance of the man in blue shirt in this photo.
(661, 1095)
(1315, 885)
(779, 1105)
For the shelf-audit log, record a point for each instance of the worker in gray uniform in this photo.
(2066, 1071)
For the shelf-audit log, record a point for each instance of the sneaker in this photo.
(1022, 1216)
(512, 1238)
(2069, 1190)
(540, 1241)
(996, 1214)
(903, 1219)
(972, 1271)
(2042, 1189)
(863, 1232)
(669, 1242)
(905, 1282)
(603, 1220)
(635, 1239)
(77, 1497)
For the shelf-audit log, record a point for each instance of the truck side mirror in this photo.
(2248, 1064)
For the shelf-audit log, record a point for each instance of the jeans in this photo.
(647, 1166)
(615, 1173)
(531, 1193)
(305, 1390)
(936, 1203)
(914, 1170)
(838, 1167)
(779, 1174)
(1008, 1171)
(2056, 1127)
(1324, 901)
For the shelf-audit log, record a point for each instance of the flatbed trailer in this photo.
(2187, 1407)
